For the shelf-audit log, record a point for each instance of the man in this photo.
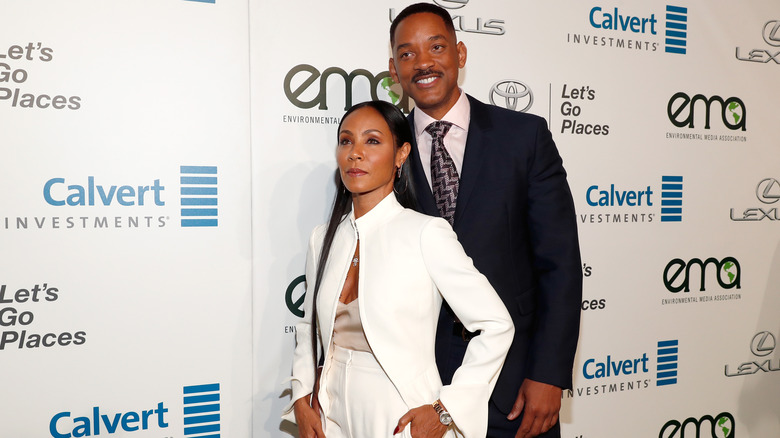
(496, 175)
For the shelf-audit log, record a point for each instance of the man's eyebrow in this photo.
(431, 38)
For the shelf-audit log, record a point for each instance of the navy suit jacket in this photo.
(515, 218)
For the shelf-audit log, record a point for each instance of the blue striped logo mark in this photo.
(676, 29)
(201, 411)
(202, 1)
(671, 198)
(198, 196)
(666, 371)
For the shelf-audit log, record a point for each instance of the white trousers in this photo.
(363, 401)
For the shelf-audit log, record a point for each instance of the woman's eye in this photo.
(344, 141)
(372, 141)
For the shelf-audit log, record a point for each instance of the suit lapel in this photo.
(476, 142)
(425, 202)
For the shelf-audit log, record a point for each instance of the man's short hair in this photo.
(419, 8)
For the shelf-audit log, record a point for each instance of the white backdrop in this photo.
(141, 308)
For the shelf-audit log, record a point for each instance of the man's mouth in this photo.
(427, 80)
(426, 77)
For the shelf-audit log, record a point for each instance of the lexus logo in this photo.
(763, 343)
(451, 4)
(513, 95)
(772, 33)
(768, 191)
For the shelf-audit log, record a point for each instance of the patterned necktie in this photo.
(444, 176)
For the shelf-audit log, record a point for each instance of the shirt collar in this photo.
(459, 115)
(377, 215)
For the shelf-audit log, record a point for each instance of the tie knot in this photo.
(438, 129)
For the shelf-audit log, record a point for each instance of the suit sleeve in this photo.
(302, 379)
(552, 230)
(479, 308)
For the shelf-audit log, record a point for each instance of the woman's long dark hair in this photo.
(403, 188)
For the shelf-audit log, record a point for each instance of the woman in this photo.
(377, 274)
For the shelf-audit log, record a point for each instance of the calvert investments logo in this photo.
(617, 204)
(101, 201)
(676, 29)
(628, 372)
(201, 417)
(198, 196)
(768, 193)
(680, 275)
(762, 346)
(771, 34)
(722, 426)
(512, 95)
(636, 29)
(201, 411)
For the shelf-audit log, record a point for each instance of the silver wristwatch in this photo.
(444, 416)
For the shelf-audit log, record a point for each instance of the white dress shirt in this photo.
(455, 140)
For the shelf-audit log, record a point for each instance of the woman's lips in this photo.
(356, 172)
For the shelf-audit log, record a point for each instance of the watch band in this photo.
(444, 417)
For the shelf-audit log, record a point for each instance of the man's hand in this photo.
(541, 403)
(309, 425)
(424, 423)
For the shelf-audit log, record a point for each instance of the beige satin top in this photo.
(348, 330)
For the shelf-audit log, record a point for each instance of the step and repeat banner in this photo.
(666, 116)
(164, 162)
(125, 253)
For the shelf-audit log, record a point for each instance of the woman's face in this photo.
(367, 156)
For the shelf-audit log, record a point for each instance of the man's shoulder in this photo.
(502, 116)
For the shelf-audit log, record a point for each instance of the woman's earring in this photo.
(399, 172)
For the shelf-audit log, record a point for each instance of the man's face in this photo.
(426, 59)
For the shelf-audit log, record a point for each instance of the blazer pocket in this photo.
(526, 302)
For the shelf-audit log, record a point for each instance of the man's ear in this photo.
(391, 69)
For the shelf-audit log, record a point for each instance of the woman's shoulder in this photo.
(415, 218)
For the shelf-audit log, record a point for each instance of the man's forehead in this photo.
(423, 21)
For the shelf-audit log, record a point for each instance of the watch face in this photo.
(445, 418)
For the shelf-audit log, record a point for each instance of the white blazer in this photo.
(408, 263)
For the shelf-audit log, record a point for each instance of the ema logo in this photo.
(676, 29)
(201, 411)
(677, 277)
(666, 368)
(722, 426)
(199, 196)
(306, 76)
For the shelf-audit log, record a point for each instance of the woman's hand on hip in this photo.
(309, 424)
(423, 421)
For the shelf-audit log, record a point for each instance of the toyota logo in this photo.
(514, 95)
(763, 343)
(451, 4)
(768, 191)
(772, 33)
